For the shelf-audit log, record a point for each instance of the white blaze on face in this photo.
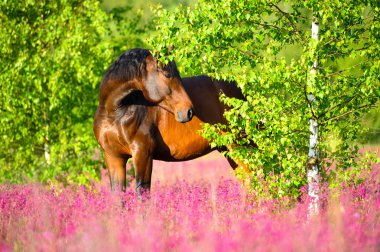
(156, 84)
(152, 88)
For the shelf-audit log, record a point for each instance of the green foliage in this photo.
(372, 121)
(144, 5)
(266, 47)
(127, 28)
(53, 56)
(132, 23)
(362, 171)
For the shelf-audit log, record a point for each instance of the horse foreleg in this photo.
(142, 162)
(117, 171)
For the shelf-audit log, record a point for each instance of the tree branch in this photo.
(338, 105)
(286, 15)
(305, 93)
(346, 113)
(247, 53)
(345, 69)
(267, 26)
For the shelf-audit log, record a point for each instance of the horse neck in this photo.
(113, 92)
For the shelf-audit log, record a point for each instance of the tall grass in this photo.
(196, 216)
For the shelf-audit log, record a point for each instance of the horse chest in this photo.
(182, 141)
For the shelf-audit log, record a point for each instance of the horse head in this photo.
(137, 69)
(162, 85)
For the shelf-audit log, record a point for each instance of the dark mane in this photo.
(133, 107)
(135, 98)
(130, 65)
(171, 69)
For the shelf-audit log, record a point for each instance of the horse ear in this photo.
(157, 54)
(151, 63)
(170, 49)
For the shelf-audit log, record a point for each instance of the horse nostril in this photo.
(185, 116)
(179, 116)
(190, 114)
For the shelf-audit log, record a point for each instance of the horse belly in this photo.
(185, 149)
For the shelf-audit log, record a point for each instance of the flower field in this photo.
(211, 212)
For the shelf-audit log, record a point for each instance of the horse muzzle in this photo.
(184, 115)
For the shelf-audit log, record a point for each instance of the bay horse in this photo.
(146, 111)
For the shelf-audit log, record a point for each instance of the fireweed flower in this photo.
(186, 215)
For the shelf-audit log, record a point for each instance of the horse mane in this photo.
(171, 69)
(116, 94)
(133, 107)
(135, 98)
(130, 65)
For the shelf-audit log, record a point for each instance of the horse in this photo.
(147, 111)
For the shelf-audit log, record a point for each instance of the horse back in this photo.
(182, 141)
(204, 93)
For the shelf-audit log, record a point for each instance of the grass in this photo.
(186, 215)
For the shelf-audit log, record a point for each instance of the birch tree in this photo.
(52, 59)
(312, 162)
(266, 48)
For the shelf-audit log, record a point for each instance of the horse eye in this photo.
(166, 74)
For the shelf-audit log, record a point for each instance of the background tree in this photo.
(266, 47)
(52, 60)
(53, 56)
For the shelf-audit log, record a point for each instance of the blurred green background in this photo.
(143, 4)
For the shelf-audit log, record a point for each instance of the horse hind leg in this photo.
(117, 171)
(232, 163)
(238, 166)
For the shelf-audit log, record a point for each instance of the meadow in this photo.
(54, 54)
(194, 206)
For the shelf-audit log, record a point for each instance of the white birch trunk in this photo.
(47, 153)
(312, 164)
(46, 146)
